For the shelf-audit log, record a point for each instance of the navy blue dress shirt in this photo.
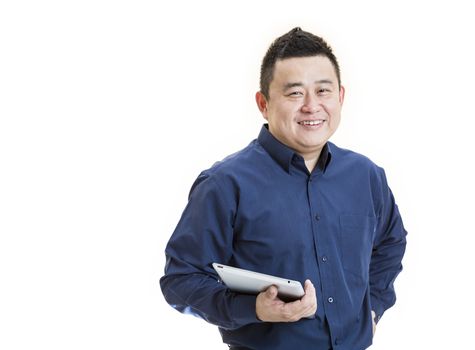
(260, 209)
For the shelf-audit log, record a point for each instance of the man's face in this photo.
(304, 105)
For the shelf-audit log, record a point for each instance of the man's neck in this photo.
(311, 161)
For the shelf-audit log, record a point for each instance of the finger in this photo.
(271, 292)
(297, 307)
(306, 306)
(309, 287)
(310, 293)
(310, 299)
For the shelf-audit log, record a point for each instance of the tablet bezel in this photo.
(251, 282)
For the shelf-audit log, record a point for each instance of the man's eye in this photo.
(323, 91)
(295, 93)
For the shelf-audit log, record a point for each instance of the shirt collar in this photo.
(283, 155)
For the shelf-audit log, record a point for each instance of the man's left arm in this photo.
(388, 249)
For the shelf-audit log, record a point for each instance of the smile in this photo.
(311, 122)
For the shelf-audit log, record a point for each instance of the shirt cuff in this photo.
(244, 310)
(378, 309)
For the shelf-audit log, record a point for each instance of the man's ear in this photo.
(342, 94)
(261, 104)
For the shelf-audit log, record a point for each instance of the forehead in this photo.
(304, 69)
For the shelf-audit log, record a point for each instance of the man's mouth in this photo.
(311, 122)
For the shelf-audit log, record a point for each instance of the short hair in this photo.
(296, 43)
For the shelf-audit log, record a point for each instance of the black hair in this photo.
(296, 43)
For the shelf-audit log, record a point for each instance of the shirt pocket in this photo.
(356, 243)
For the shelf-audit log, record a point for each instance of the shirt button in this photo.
(324, 259)
(317, 217)
(330, 300)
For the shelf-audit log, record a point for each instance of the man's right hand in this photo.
(269, 308)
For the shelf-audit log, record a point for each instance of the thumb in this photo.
(308, 286)
(271, 292)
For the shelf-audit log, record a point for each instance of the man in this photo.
(294, 205)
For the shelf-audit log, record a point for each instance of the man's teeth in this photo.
(311, 122)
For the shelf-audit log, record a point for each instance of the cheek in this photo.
(283, 115)
(335, 122)
(333, 109)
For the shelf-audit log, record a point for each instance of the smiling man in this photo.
(303, 104)
(295, 205)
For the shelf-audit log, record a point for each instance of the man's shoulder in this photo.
(230, 172)
(351, 158)
(236, 163)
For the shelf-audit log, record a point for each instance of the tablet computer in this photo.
(250, 282)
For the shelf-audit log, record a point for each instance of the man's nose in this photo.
(311, 104)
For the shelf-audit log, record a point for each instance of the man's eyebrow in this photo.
(324, 81)
(288, 86)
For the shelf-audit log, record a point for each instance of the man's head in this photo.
(296, 43)
(301, 95)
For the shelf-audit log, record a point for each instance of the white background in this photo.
(110, 109)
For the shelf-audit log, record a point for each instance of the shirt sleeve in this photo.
(388, 250)
(204, 235)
